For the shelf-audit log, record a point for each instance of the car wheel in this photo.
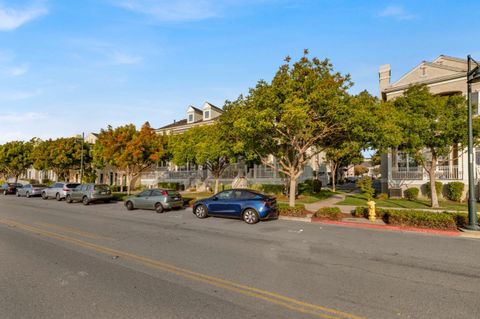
(68, 199)
(129, 205)
(57, 197)
(28, 195)
(250, 216)
(159, 208)
(85, 200)
(44, 195)
(201, 211)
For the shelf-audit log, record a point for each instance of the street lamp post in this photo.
(81, 159)
(473, 76)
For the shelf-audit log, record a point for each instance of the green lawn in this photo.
(308, 199)
(360, 200)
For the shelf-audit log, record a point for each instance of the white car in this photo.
(58, 190)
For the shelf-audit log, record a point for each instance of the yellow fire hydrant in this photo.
(371, 211)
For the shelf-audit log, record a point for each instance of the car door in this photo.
(221, 204)
(77, 192)
(27, 189)
(141, 200)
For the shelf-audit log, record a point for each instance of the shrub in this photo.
(174, 186)
(33, 181)
(189, 201)
(47, 182)
(455, 191)
(461, 219)
(420, 219)
(119, 196)
(382, 196)
(360, 212)
(311, 186)
(438, 188)
(297, 211)
(411, 193)
(366, 186)
(273, 189)
(331, 213)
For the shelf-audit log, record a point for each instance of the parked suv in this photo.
(30, 190)
(58, 190)
(89, 193)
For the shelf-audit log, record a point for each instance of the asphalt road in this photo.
(61, 260)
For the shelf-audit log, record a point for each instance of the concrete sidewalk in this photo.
(330, 202)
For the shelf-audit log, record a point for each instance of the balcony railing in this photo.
(418, 173)
(407, 173)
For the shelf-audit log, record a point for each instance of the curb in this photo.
(447, 233)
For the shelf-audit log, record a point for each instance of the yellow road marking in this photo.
(284, 301)
(73, 231)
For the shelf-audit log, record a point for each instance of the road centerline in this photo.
(275, 298)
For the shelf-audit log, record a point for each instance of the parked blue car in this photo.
(245, 204)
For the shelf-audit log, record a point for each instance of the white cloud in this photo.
(123, 58)
(11, 19)
(396, 12)
(172, 10)
(16, 70)
(19, 95)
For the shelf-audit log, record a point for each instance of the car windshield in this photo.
(101, 188)
(72, 185)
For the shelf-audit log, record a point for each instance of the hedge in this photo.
(297, 211)
(274, 189)
(411, 193)
(331, 213)
(461, 219)
(455, 191)
(174, 186)
(438, 188)
(415, 218)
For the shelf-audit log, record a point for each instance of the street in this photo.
(60, 260)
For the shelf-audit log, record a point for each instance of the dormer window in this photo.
(190, 118)
(206, 115)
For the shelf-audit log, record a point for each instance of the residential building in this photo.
(443, 76)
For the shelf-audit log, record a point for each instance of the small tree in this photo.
(360, 170)
(129, 149)
(206, 146)
(366, 186)
(431, 126)
(342, 155)
(15, 158)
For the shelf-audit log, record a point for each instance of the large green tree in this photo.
(292, 116)
(431, 125)
(61, 156)
(15, 158)
(130, 150)
(204, 145)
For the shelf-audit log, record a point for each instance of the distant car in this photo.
(89, 193)
(156, 199)
(58, 190)
(245, 204)
(10, 188)
(30, 190)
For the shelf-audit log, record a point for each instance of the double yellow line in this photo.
(280, 300)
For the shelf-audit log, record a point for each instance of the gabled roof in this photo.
(196, 110)
(452, 58)
(213, 107)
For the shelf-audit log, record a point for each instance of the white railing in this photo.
(417, 173)
(410, 173)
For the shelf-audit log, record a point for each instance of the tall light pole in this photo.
(473, 76)
(81, 159)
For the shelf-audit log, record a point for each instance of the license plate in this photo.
(176, 198)
(103, 193)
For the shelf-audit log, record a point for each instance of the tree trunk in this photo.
(16, 178)
(216, 184)
(292, 192)
(433, 190)
(333, 168)
(129, 180)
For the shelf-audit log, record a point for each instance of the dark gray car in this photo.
(156, 199)
(58, 190)
(89, 193)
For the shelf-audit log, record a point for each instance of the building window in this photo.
(207, 114)
(405, 162)
(190, 118)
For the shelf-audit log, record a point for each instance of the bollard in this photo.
(371, 210)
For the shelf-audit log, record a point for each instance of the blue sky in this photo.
(72, 66)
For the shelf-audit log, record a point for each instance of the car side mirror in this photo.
(215, 198)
